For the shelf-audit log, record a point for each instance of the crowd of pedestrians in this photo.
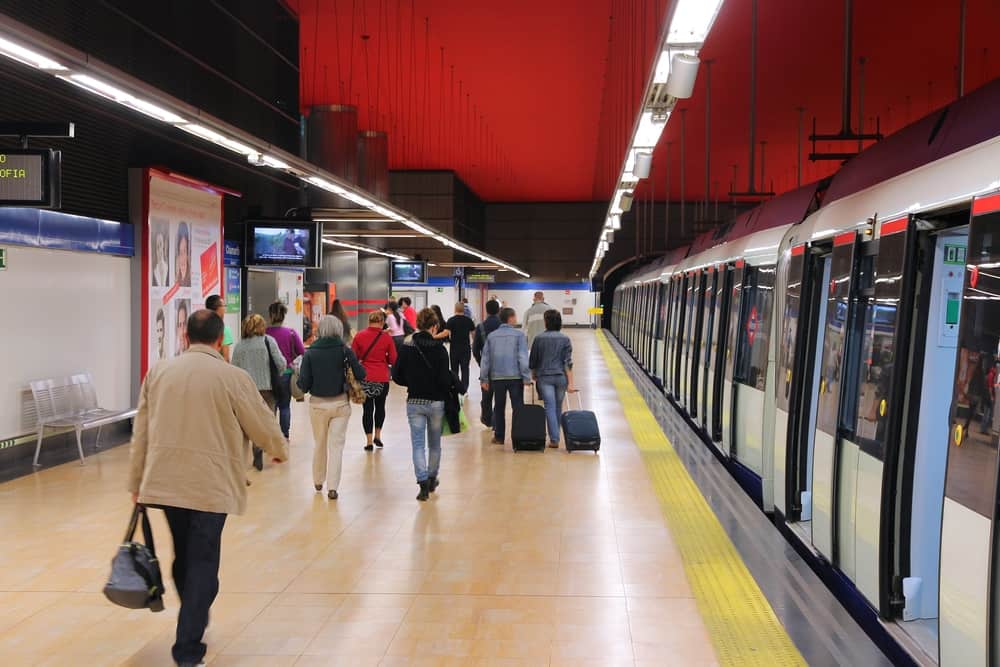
(198, 411)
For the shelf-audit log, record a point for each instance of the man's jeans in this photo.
(553, 390)
(500, 390)
(425, 425)
(197, 550)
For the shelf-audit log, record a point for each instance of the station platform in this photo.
(519, 559)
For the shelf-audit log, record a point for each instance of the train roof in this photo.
(941, 161)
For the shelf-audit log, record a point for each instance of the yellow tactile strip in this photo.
(742, 625)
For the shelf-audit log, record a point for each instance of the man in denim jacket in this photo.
(504, 370)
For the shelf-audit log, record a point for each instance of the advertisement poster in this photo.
(184, 241)
(314, 308)
(233, 285)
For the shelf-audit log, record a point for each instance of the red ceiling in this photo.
(531, 70)
(535, 71)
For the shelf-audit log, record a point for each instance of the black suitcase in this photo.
(527, 430)
(580, 429)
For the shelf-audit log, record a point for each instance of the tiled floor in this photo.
(520, 559)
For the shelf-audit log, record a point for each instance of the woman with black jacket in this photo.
(423, 368)
(322, 376)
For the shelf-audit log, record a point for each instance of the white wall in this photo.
(580, 300)
(65, 313)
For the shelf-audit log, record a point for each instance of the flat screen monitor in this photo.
(409, 272)
(290, 244)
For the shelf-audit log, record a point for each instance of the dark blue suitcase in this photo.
(580, 429)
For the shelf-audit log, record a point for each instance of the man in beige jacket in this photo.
(189, 456)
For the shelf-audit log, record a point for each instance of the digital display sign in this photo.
(29, 178)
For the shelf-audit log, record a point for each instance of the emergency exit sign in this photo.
(3, 259)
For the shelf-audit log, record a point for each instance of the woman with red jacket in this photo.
(376, 351)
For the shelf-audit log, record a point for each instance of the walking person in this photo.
(376, 351)
(255, 353)
(423, 369)
(504, 370)
(534, 317)
(291, 348)
(217, 305)
(460, 327)
(322, 376)
(442, 333)
(551, 364)
(467, 309)
(338, 311)
(188, 459)
(409, 312)
(394, 324)
(483, 331)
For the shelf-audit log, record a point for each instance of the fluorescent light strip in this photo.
(692, 21)
(28, 57)
(83, 78)
(361, 248)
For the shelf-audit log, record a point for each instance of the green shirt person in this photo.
(217, 304)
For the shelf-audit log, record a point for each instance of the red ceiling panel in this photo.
(533, 74)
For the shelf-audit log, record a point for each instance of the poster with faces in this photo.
(184, 259)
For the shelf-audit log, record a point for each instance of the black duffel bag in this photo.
(135, 581)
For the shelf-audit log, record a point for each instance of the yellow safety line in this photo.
(739, 619)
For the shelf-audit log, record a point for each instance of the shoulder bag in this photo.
(277, 387)
(351, 384)
(135, 581)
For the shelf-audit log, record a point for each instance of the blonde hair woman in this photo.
(322, 376)
(255, 353)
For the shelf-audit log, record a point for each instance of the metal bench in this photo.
(71, 402)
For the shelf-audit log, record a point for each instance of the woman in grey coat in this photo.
(251, 354)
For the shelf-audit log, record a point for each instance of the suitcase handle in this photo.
(579, 398)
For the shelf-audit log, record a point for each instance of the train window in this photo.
(972, 458)
(835, 337)
(732, 338)
(789, 327)
(661, 316)
(754, 326)
(878, 353)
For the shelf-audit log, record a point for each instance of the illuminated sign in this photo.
(479, 277)
(30, 178)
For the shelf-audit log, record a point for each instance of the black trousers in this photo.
(373, 414)
(500, 390)
(197, 550)
(460, 364)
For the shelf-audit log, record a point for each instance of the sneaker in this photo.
(319, 488)
(332, 495)
(378, 443)
(424, 491)
(368, 448)
(432, 483)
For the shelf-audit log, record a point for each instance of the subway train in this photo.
(837, 348)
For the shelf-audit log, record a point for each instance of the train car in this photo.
(839, 348)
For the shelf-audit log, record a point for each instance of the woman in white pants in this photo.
(322, 377)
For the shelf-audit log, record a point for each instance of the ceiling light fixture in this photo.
(692, 21)
(363, 248)
(26, 56)
(27, 46)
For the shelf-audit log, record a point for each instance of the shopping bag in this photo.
(463, 424)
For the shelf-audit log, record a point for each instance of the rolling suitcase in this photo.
(580, 429)
(527, 430)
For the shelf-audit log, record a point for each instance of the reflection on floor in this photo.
(521, 559)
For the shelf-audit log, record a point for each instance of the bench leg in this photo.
(79, 444)
(97, 444)
(38, 444)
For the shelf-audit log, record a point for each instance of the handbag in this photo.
(293, 383)
(277, 386)
(135, 581)
(354, 389)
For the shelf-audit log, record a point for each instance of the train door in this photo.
(654, 309)
(685, 377)
(678, 329)
(659, 349)
(836, 338)
(694, 351)
(797, 380)
(969, 588)
(705, 355)
(668, 337)
(732, 341)
(719, 348)
(750, 375)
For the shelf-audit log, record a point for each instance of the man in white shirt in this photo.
(534, 318)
